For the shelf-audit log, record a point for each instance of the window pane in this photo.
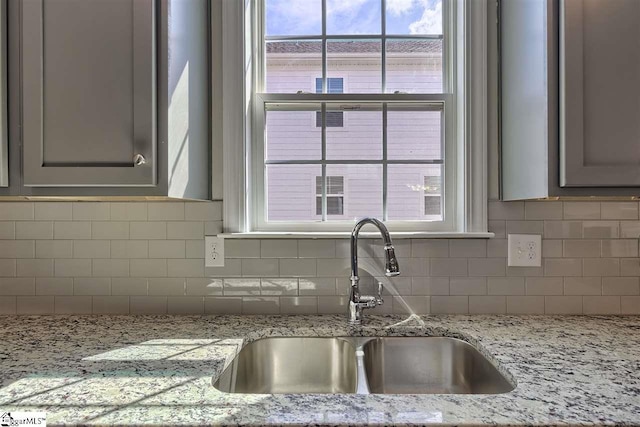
(291, 192)
(359, 137)
(411, 195)
(354, 17)
(362, 190)
(413, 134)
(293, 135)
(293, 17)
(414, 17)
(414, 66)
(358, 62)
(293, 66)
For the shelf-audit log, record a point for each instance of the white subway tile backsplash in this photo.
(279, 248)
(54, 286)
(600, 229)
(109, 230)
(601, 305)
(318, 248)
(449, 304)
(54, 249)
(32, 230)
(581, 210)
(185, 230)
(167, 249)
(543, 210)
(91, 211)
(623, 248)
(143, 230)
(110, 267)
(505, 286)
(35, 305)
(468, 248)
(147, 257)
(91, 249)
(619, 210)
(223, 305)
(280, 287)
(127, 211)
(55, 211)
(165, 211)
(581, 248)
(110, 304)
(525, 305)
(72, 267)
(92, 286)
(20, 211)
(563, 305)
(298, 305)
(487, 304)
(17, 249)
(468, 286)
(544, 285)
(72, 305)
(583, 286)
(601, 267)
(298, 267)
(72, 230)
(32, 267)
(620, 286)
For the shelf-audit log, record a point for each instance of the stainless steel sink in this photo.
(292, 365)
(389, 365)
(430, 365)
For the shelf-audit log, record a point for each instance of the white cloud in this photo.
(430, 22)
(400, 7)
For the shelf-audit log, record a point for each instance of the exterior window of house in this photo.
(335, 195)
(335, 119)
(432, 191)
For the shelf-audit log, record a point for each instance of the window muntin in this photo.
(375, 75)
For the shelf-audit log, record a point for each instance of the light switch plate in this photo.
(213, 251)
(525, 250)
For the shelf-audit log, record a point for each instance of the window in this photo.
(432, 205)
(334, 119)
(414, 107)
(335, 195)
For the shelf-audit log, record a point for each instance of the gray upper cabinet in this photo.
(569, 98)
(4, 155)
(88, 101)
(111, 97)
(600, 93)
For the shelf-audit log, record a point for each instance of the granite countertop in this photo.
(158, 370)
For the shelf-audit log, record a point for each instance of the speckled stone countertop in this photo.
(158, 370)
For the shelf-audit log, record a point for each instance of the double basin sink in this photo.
(374, 365)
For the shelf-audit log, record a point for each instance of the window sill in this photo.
(347, 234)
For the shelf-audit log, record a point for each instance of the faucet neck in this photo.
(354, 241)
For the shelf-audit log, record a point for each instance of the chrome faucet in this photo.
(357, 302)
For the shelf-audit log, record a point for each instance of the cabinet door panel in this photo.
(600, 93)
(88, 92)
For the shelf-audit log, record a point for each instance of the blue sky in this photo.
(303, 17)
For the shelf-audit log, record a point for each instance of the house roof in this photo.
(356, 46)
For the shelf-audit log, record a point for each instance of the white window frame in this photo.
(466, 207)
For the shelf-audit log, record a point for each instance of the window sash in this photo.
(444, 102)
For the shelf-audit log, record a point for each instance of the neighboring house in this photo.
(354, 134)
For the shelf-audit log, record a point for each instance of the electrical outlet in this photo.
(525, 250)
(213, 251)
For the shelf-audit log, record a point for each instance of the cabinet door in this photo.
(88, 92)
(600, 93)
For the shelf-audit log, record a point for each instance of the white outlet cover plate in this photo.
(213, 251)
(524, 250)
